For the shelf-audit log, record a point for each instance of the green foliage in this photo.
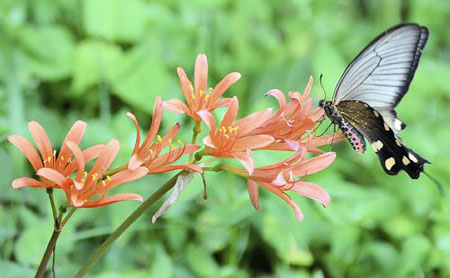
(95, 60)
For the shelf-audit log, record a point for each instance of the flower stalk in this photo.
(126, 224)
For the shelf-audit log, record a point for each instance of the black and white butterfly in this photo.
(369, 90)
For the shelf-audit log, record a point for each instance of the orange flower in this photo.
(199, 97)
(281, 177)
(293, 124)
(149, 153)
(48, 157)
(85, 186)
(235, 139)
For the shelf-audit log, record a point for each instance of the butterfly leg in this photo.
(334, 137)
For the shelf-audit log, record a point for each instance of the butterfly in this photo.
(364, 101)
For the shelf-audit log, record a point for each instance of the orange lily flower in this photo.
(235, 139)
(149, 153)
(85, 186)
(198, 97)
(281, 177)
(293, 124)
(48, 157)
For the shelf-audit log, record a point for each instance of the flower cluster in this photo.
(290, 128)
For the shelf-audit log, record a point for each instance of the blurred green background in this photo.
(95, 60)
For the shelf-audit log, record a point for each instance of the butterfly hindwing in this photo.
(393, 155)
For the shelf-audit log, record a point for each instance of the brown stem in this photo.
(48, 252)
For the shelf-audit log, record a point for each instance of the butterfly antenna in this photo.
(436, 182)
(321, 85)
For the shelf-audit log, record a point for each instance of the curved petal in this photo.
(138, 132)
(156, 122)
(223, 85)
(80, 163)
(88, 155)
(23, 182)
(27, 149)
(314, 164)
(185, 85)
(283, 196)
(75, 135)
(278, 95)
(209, 120)
(103, 162)
(52, 175)
(223, 102)
(125, 176)
(135, 162)
(208, 142)
(201, 73)
(111, 199)
(231, 113)
(253, 193)
(253, 121)
(41, 139)
(312, 191)
(252, 142)
(246, 159)
(175, 105)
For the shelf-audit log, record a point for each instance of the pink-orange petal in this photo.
(41, 139)
(312, 191)
(314, 164)
(135, 162)
(125, 176)
(27, 149)
(252, 142)
(253, 193)
(185, 85)
(75, 135)
(231, 113)
(283, 196)
(201, 73)
(253, 121)
(223, 85)
(246, 159)
(208, 142)
(223, 102)
(52, 175)
(23, 182)
(156, 122)
(111, 199)
(278, 95)
(209, 120)
(175, 105)
(80, 162)
(103, 162)
(138, 132)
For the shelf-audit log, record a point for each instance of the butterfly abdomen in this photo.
(353, 136)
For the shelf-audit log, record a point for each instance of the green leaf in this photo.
(95, 61)
(141, 76)
(49, 50)
(120, 20)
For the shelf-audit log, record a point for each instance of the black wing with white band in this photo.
(380, 75)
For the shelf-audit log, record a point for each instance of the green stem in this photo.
(52, 203)
(195, 131)
(126, 224)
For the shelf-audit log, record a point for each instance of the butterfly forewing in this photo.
(393, 155)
